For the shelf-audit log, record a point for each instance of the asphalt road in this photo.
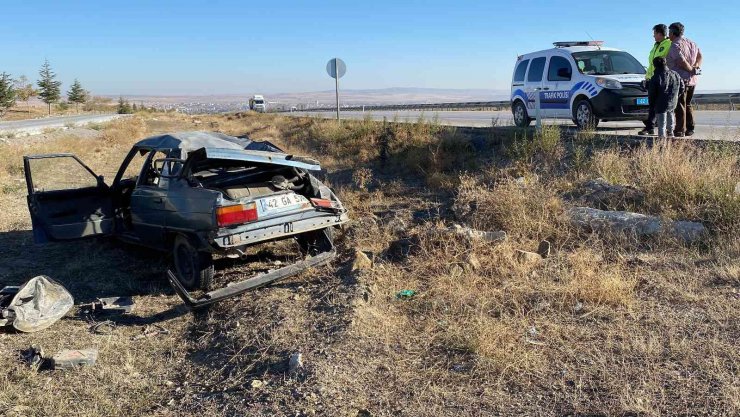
(36, 126)
(709, 124)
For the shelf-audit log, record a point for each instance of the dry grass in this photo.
(681, 180)
(604, 326)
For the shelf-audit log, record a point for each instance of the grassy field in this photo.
(605, 325)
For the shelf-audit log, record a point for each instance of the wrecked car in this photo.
(194, 195)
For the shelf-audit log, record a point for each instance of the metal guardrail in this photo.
(731, 99)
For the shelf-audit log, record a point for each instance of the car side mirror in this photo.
(172, 165)
(564, 73)
(101, 181)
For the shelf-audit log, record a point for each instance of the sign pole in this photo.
(336, 86)
(336, 69)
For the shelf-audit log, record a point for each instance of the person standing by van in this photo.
(665, 87)
(685, 58)
(660, 49)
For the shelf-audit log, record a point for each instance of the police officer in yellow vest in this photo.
(660, 49)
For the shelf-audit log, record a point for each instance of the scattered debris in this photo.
(34, 357)
(256, 383)
(361, 261)
(109, 305)
(529, 258)
(70, 359)
(35, 305)
(634, 223)
(295, 363)
(103, 327)
(405, 294)
(737, 188)
(151, 330)
(544, 248)
(6, 296)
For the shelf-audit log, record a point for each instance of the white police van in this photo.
(582, 81)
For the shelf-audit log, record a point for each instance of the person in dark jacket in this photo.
(665, 86)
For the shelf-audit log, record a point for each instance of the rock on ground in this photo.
(634, 223)
(527, 258)
(601, 194)
(361, 261)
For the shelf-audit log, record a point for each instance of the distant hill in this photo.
(390, 96)
(347, 97)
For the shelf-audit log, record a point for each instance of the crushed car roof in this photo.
(221, 146)
(190, 141)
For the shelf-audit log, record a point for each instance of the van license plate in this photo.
(642, 101)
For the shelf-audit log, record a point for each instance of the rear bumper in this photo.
(620, 104)
(247, 284)
(278, 228)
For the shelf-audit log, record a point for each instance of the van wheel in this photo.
(584, 117)
(521, 117)
(194, 269)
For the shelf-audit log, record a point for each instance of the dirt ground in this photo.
(605, 325)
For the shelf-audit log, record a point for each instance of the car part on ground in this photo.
(35, 305)
(74, 358)
(243, 286)
(109, 305)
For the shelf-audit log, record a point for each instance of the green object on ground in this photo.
(406, 294)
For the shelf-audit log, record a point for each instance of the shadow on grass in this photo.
(89, 269)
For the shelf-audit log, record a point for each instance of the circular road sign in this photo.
(336, 68)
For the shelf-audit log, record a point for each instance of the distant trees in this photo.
(7, 93)
(77, 95)
(24, 89)
(49, 88)
(124, 107)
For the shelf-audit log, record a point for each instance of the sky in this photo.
(217, 47)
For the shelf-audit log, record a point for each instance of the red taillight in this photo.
(240, 213)
(323, 203)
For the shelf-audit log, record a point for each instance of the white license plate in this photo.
(281, 202)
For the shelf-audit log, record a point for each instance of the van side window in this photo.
(536, 70)
(558, 69)
(521, 69)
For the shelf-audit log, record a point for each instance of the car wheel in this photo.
(194, 269)
(521, 117)
(316, 241)
(584, 116)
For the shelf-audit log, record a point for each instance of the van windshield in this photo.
(607, 63)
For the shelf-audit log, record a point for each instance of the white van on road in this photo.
(258, 104)
(582, 81)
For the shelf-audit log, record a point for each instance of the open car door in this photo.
(66, 199)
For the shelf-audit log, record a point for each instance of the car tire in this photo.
(521, 117)
(316, 241)
(194, 269)
(583, 115)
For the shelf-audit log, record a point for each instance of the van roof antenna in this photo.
(592, 38)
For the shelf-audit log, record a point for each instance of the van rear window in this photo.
(521, 69)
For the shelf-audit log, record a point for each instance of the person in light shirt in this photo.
(685, 58)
